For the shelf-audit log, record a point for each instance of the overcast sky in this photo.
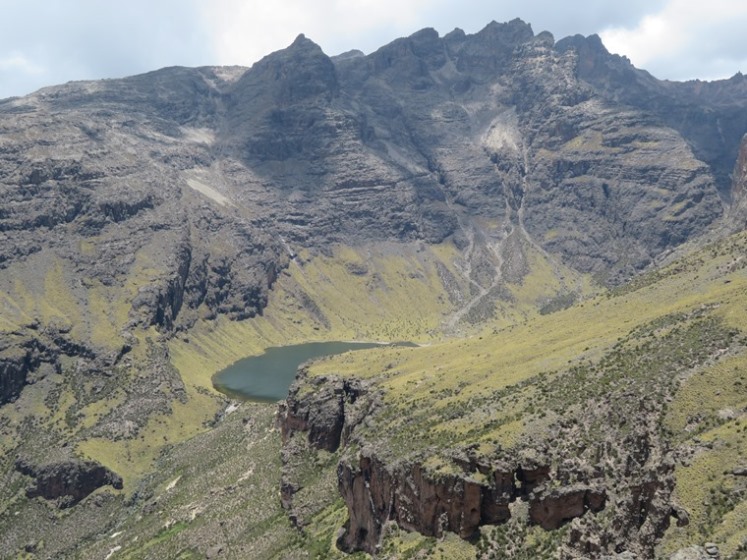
(46, 42)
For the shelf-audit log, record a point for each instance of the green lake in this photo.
(267, 377)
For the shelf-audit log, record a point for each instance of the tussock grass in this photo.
(506, 356)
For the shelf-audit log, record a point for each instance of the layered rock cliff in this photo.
(327, 414)
(416, 500)
(738, 210)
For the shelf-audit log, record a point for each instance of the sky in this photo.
(47, 42)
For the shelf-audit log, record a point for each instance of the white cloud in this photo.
(243, 31)
(46, 42)
(653, 37)
(685, 39)
(17, 62)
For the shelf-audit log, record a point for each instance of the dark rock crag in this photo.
(328, 414)
(67, 482)
(430, 504)
(477, 491)
(26, 357)
(324, 412)
(738, 211)
(16, 365)
(603, 466)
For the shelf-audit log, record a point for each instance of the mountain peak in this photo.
(301, 41)
(513, 32)
(591, 44)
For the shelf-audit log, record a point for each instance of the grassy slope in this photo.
(395, 293)
(425, 386)
(377, 293)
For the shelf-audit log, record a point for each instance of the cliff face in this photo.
(709, 115)
(328, 414)
(479, 490)
(15, 366)
(416, 500)
(738, 211)
(603, 464)
(29, 358)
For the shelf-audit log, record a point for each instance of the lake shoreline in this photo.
(266, 377)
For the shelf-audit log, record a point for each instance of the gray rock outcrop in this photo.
(67, 482)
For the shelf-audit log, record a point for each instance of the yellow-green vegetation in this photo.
(388, 292)
(46, 289)
(707, 417)
(401, 544)
(181, 420)
(58, 303)
(589, 141)
(714, 498)
(321, 534)
(548, 286)
(379, 293)
(516, 539)
(134, 457)
(679, 330)
(709, 397)
(495, 359)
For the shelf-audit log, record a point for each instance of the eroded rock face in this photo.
(739, 188)
(431, 503)
(27, 357)
(327, 413)
(67, 482)
(560, 506)
(323, 411)
(605, 451)
(16, 363)
(481, 492)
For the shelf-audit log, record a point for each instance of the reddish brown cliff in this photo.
(431, 503)
(327, 411)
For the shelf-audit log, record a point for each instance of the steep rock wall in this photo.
(327, 413)
(431, 503)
